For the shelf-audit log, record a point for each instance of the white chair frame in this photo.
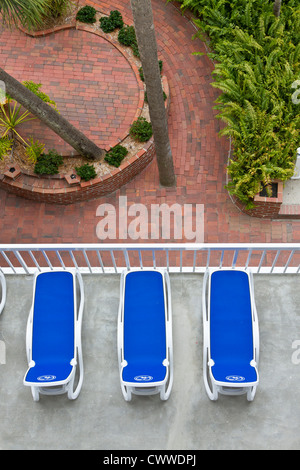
(4, 290)
(66, 386)
(213, 387)
(163, 388)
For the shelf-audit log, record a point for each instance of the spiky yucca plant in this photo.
(29, 13)
(57, 8)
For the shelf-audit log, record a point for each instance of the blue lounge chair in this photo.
(231, 335)
(3, 291)
(53, 339)
(145, 334)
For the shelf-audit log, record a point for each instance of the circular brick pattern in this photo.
(91, 81)
(109, 89)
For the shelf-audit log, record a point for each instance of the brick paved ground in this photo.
(199, 156)
(91, 82)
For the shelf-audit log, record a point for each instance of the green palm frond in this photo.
(27, 12)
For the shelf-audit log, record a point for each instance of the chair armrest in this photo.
(3, 286)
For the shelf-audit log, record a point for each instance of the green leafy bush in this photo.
(111, 22)
(257, 59)
(86, 172)
(116, 18)
(5, 146)
(86, 14)
(48, 163)
(116, 155)
(141, 130)
(127, 35)
(135, 49)
(106, 24)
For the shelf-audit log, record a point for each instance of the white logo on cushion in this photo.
(235, 378)
(143, 378)
(46, 378)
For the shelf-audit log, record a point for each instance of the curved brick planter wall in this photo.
(61, 189)
(58, 190)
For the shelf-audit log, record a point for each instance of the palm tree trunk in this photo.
(51, 118)
(277, 8)
(143, 22)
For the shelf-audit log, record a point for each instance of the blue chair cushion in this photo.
(53, 328)
(231, 332)
(144, 327)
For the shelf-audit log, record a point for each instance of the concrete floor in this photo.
(291, 192)
(101, 419)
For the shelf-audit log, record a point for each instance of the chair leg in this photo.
(127, 394)
(73, 394)
(35, 393)
(164, 395)
(212, 391)
(251, 393)
(210, 388)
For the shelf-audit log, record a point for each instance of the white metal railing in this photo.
(185, 258)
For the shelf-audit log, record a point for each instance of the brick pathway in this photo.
(91, 82)
(199, 154)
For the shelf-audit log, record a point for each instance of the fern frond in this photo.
(272, 59)
(247, 40)
(231, 89)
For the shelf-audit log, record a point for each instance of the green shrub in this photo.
(116, 18)
(135, 49)
(48, 163)
(116, 155)
(86, 14)
(5, 146)
(106, 24)
(127, 35)
(86, 172)
(141, 130)
(141, 73)
(111, 22)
